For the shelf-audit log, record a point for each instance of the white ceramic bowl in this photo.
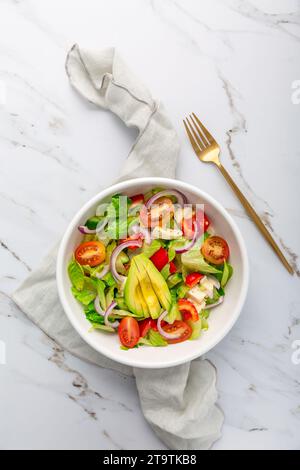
(221, 319)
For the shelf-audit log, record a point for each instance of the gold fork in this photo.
(208, 150)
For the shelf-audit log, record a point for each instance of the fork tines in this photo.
(199, 136)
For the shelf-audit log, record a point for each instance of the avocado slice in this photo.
(147, 290)
(157, 280)
(161, 288)
(132, 293)
(142, 301)
(145, 283)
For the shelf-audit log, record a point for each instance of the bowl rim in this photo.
(125, 185)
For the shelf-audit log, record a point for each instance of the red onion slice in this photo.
(191, 243)
(181, 198)
(98, 306)
(161, 330)
(215, 304)
(106, 315)
(87, 231)
(104, 271)
(118, 277)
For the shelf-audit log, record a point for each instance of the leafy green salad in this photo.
(149, 268)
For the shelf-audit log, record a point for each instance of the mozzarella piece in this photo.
(166, 233)
(208, 283)
(196, 295)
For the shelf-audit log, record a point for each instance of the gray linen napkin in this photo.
(179, 402)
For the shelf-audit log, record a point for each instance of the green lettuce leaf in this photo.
(194, 261)
(110, 296)
(100, 286)
(120, 313)
(205, 314)
(149, 250)
(109, 249)
(94, 317)
(182, 290)
(98, 326)
(144, 341)
(174, 279)
(165, 272)
(109, 280)
(121, 302)
(173, 314)
(76, 275)
(196, 327)
(156, 339)
(215, 298)
(84, 296)
(227, 273)
(93, 271)
(173, 245)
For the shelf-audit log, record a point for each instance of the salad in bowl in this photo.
(149, 268)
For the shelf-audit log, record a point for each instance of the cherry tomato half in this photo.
(187, 224)
(146, 325)
(188, 310)
(136, 200)
(193, 278)
(179, 327)
(129, 332)
(215, 250)
(90, 253)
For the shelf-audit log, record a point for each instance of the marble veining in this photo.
(233, 62)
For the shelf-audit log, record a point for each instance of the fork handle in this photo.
(255, 217)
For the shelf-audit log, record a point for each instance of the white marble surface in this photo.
(231, 61)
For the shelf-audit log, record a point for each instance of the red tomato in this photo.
(90, 253)
(188, 310)
(146, 325)
(206, 222)
(193, 278)
(173, 268)
(215, 250)
(137, 199)
(187, 224)
(180, 327)
(137, 236)
(160, 258)
(129, 332)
